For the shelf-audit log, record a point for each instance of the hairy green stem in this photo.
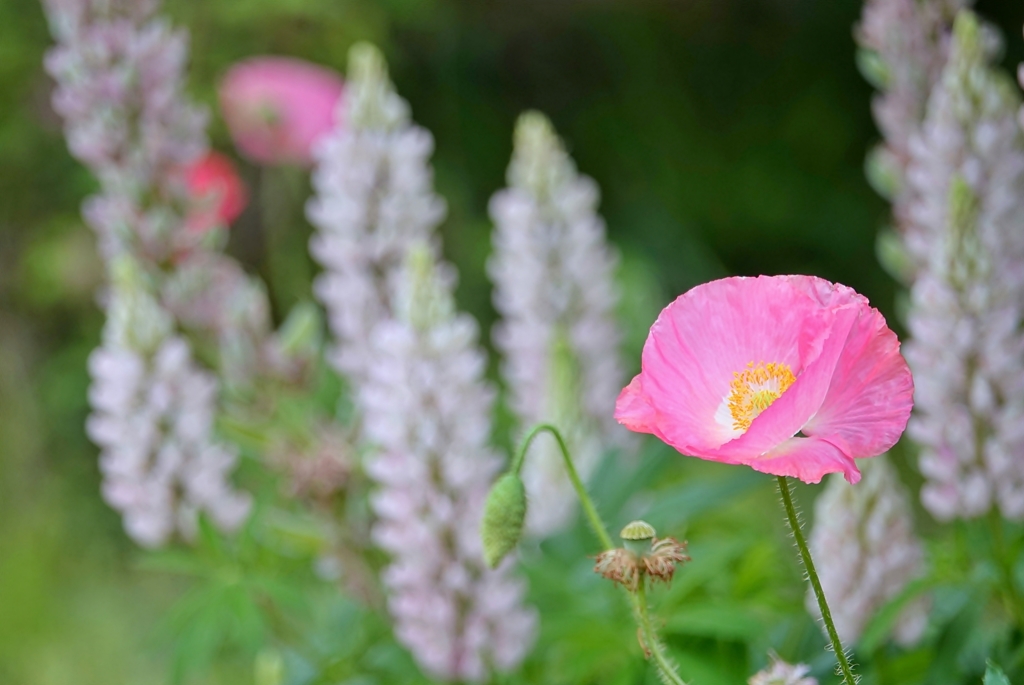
(588, 505)
(805, 555)
(638, 598)
(651, 642)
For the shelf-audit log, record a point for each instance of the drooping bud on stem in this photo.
(504, 514)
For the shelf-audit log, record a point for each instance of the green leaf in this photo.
(881, 625)
(994, 675)
(718, 620)
(696, 497)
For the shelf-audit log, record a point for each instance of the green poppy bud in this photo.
(504, 514)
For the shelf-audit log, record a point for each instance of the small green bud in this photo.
(883, 172)
(300, 332)
(504, 514)
(269, 668)
(893, 256)
(637, 536)
(873, 68)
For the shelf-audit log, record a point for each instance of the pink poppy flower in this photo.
(277, 107)
(790, 375)
(217, 194)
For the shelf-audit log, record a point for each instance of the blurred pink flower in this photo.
(277, 107)
(217, 193)
(734, 369)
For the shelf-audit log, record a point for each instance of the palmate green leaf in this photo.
(210, 540)
(283, 593)
(220, 614)
(196, 625)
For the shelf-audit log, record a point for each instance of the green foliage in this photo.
(727, 137)
(995, 676)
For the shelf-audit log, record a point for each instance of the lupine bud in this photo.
(301, 330)
(504, 514)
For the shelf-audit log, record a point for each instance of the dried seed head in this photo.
(665, 555)
(619, 565)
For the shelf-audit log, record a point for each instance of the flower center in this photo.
(754, 389)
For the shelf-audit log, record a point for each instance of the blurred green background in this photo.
(727, 136)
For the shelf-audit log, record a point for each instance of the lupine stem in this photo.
(845, 669)
(638, 598)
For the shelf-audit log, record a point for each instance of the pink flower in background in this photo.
(276, 107)
(217, 193)
(734, 369)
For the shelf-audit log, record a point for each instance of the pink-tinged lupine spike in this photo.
(426, 409)
(277, 108)
(552, 272)
(374, 197)
(966, 233)
(735, 369)
(119, 69)
(908, 42)
(152, 418)
(866, 550)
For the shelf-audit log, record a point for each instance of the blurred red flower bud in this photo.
(216, 192)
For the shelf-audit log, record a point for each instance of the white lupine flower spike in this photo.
(152, 418)
(553, 277)
(418, 377)
(904, 44)
(427, 409)
(966, 234)
(119, 69)
(867, 552)
(374, 197)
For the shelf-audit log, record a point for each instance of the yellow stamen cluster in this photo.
(754, 389)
